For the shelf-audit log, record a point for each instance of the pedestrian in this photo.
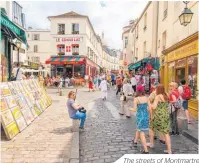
(161, 119)
(140, 83)
(96, 82)
(90, 83)
(185, 92)
(175, 105)
(74, 109)
(126, 99)
(119, 84)
(142, 118)
(17, 72)
(112, 79)
(133, 82)
(104, 87)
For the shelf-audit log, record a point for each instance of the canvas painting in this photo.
(16, 112)
(7, 117)
(11, 101)
(12, 130)
(21, 123)
(27, 115)
(4, 104)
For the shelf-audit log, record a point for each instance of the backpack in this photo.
(178, 103)
(186, 95)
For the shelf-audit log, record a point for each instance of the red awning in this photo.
(65, 60)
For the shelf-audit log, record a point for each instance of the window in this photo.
(35, 48)
(192, 74)
(17, 13)
(37, 59)
(125, 42)
(61, 49)
(137, 31)
(75, 49)
(35, 36)
(165, 7)
(61, 29)
(79, 71)
(144, 48)
(75, 28)
(164, 40)
(145, 21)
(28, 35)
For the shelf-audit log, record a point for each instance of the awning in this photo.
(134, 66)
(14, 30)
(56, 60)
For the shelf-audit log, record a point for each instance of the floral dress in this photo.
(142, 117)
(161, 120)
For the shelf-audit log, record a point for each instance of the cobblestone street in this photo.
(108, 135)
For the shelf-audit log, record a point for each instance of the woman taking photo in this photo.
(161, 119)
(142, 118)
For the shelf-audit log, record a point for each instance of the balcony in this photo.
(165, 14)
(75, 53)
(145, 27)
(75, 32)
(61, 32)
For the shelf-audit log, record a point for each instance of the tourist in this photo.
(119, 84)
(126, 99)
(175, 105)
(133, 82)
(185, 92)
(17, 73)
(142, 118)
(74, 109)
(104, 87)
(90, 83)
(96, 82)
(161, 119)
(112, 79)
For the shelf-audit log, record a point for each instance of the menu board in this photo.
(21, 102)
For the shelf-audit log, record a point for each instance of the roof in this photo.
(68, 14)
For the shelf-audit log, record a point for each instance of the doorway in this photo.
(68, 71)
(180, 74)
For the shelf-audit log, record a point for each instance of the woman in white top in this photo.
(133, 82)
(127, 100)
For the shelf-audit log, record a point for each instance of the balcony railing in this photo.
(75, 53)
(75, 32)
(61, 32)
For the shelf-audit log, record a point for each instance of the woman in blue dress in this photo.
(142, 118)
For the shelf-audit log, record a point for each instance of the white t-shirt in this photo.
(20, 73)
(133, 81)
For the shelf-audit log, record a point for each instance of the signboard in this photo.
(69, 39)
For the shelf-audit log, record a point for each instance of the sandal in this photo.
(144, 152)
(165, 151)
(134, 143)
(149, 145)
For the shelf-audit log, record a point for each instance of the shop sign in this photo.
(180, 63)
(187, 50)
(69, 39)
(34, 65)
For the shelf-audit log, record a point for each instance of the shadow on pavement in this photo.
(62, 131)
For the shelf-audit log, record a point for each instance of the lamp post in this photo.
(18, 45)
(186, 16)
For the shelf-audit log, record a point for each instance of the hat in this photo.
(140, 88)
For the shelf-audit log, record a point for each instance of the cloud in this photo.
(108, 18)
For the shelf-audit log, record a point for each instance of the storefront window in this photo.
(79, 71)
(192, 74)
(171, 72)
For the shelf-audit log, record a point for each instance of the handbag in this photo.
(178, 103)
(82, 110)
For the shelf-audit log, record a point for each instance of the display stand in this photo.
(21, 102)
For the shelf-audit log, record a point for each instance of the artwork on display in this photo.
(11, 101)
(16, 112)
(4, 104)
(21, 123)
(12, 130)
(7, 117)
(27, 115)
(21, 102)
(5, 91)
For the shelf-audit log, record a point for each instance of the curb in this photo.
(188, 134)
(74, 156)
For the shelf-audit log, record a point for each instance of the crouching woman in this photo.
(75, 111)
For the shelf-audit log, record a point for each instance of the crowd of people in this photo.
(156, 114)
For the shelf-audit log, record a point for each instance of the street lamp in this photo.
(18, 45)
(186, 16)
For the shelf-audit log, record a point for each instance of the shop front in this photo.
(9, 33)
(78, 67)
(181, 62)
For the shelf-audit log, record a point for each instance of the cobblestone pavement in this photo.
(47, 139)
(108, 136)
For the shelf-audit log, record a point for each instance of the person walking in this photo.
(73, 109)
(96, 82)
(175, 100)
(104, 87)
(119, 84)
(17, 72)
(142, 118)
(185, 92)
(112, 79)
(133, 83)
(90, 83)
(126, 99)
(161, 120)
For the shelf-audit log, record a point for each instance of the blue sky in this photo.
(106, 16)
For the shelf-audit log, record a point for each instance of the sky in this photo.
(106, 16)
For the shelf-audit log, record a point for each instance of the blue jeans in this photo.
(185, 104)
(81, 116)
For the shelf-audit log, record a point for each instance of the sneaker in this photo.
(143, 152)
(165, 151)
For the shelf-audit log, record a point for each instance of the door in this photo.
(180, 74)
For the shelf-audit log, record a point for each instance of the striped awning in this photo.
(56, 60)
